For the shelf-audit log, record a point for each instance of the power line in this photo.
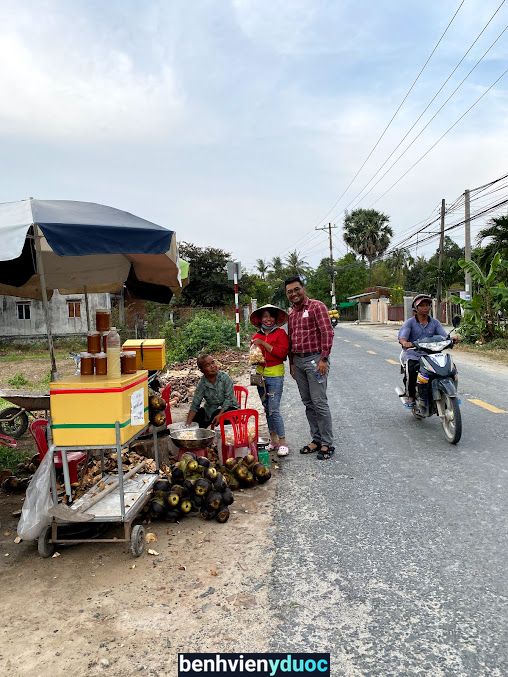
(443, 135)
(427, 107)
(393, 116)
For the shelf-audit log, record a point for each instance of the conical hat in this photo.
(282, 316)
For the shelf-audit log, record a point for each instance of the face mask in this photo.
(267, 328)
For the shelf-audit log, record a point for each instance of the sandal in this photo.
(282, 450)
(325, 454)
(270, 447)
(308, 450)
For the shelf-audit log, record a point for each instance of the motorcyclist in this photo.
(418, 326)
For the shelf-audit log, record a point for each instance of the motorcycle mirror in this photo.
(456, 320)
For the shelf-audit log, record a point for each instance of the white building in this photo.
(21, 317)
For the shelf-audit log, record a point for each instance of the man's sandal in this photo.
(308, 450)
(325, 454)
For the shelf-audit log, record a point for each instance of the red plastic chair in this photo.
(166, 396)
(38, 430)
(239, 420)
(242, 395)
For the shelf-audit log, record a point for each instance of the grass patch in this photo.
(18, 381)
(9, 458)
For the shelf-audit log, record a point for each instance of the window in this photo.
(23, 309)
(74, 308)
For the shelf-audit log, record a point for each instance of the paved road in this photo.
(393, 556)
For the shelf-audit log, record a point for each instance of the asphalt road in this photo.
(393, 555)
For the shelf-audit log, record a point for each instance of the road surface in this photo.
(393, 555)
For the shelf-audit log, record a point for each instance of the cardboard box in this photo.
(84, 409)
(150, 353)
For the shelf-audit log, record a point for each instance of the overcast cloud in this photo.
(239, 122)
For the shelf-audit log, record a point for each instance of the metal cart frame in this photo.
(109, 513)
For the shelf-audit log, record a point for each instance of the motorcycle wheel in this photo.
(452, 420)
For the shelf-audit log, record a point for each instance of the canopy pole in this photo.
(87, 309)
(45, 305)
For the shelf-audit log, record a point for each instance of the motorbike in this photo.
(436, 384)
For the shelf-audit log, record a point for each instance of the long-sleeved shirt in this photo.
(274, 360)
(310, 329)
(218, 395)
(412, 330)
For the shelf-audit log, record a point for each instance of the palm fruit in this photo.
(177, 475)
(157, 506)
(173, 500)
(220, 483)
(158, 419)
(264, 478)
(203, 462)
(172, 515)
(241, 471)
(211, 474)
(249, 460)
(192, 466)
(249, 480)
(259, 470)
(202, 487)
(227, 497)
(156, 403)
(214, 500)
(223, 515)
(162, 485)
(230, 463)
(232, 482)
(186, 506)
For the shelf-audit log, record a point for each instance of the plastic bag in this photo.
(38, 501)
(256, 355)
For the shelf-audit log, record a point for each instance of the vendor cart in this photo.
(121, 505)
(14, 419)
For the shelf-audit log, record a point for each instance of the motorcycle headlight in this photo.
(435, 347)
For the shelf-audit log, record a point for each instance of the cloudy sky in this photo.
(240, 122)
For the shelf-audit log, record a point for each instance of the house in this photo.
(24, 318)
(370, 299)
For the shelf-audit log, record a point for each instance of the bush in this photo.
(17, 381)
(206, 331)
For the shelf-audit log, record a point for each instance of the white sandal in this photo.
(282, 451)
(270, 447)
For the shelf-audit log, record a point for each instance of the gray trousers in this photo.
(314, 398)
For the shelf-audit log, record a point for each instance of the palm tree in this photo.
(399, 262)
(262, 268)
(366, 232)
(497, 231)
(295, 265)
(277, 266)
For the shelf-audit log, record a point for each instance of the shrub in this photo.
(205, 331)
(18, 381)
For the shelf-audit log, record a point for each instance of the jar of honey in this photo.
(102, 319)
(101, 364)
(86, 364)
(104, 341)
(94, 342)
(128, 362)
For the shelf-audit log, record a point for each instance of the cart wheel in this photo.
(138, 540)
(44, 546)
(15, 427)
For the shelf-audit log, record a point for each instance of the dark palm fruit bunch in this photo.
(162, 485)
(201, 487)
(157, 506)
(211, 474)
(227, 497)
(208, 514)
(203, 462)
(249, 460)
(156, 403)
(214, 500)
(172, 515)
(158, 419)
(264, 478)
(249, 480)
(230, 463)
(177, 475)
(220, 483)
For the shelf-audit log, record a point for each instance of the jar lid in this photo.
(130, 353)
(82, 355)
(93, 333)
(100, 356)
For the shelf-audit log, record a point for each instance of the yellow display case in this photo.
(84, 409)
(150, 353)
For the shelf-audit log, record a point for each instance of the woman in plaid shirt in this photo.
(311, 338)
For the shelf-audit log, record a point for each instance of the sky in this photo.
(238, 123)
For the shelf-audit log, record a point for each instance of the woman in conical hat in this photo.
(273, 341)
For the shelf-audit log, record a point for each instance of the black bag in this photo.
(257, 379)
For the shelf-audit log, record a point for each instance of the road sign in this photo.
(232, 267)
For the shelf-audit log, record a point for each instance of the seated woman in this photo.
(274, 344)
(216, 389)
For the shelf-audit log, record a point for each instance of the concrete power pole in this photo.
(332, 271)
(467, 240)
(440, 265)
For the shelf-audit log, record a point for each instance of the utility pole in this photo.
(440, 265)
(332, 271)
(467, 240)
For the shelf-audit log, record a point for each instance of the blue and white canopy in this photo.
(85, 246)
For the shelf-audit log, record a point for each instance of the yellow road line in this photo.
(487, 406)
(371, 352)
(390, 361)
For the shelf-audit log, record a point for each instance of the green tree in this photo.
(399, 262)
(496, 232)
(262, 267)
(296, 265)
(366, 232)
(208, 285)
(350, 278)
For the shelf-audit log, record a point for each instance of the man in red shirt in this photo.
(311, 338)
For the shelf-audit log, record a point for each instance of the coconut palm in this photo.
(277, 266)
(366, 232)
(295, 265)
(262, 267)
(399, 262)
(497, 232)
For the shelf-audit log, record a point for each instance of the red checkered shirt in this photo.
(310, 329)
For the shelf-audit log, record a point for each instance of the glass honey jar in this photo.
(86, 364)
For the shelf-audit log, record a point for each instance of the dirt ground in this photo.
(95, 609)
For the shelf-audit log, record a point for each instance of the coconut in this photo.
(223, 515)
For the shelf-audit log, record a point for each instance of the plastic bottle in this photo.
(113, 343)
(319, 376)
